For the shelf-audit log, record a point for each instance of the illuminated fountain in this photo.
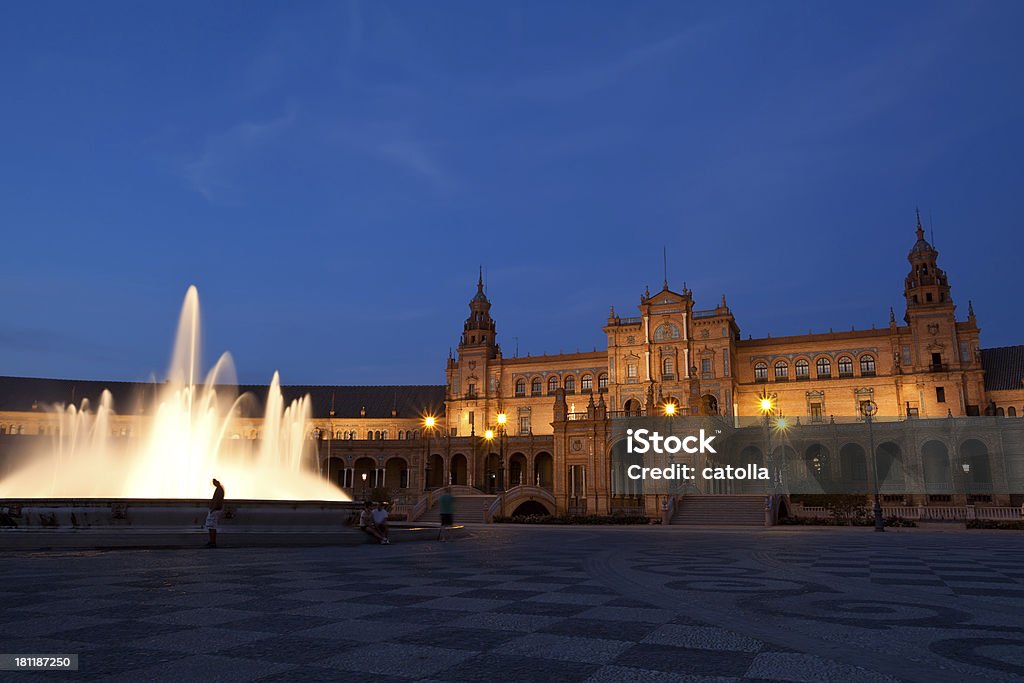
(190, 434)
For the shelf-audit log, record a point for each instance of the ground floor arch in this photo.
(544, 470)
(396, 473)
(517, 470)
(532, 507)
(458, 473)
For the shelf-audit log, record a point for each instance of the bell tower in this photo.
(478, 332)
(940, 352)
(926, 288)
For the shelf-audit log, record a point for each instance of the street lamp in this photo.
(967, 482)
(502, 420)
(364, 485)
(670, 409)
(489, 438)
(869, 408)
(766, 404)
(428, 424)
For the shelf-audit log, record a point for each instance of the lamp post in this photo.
(967, 482)
(766, 404)
(428, 425)
(364, 485)
(869, 408)
(502, 420)
(489, 438)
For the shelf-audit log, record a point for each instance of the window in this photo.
(369, 436)
(867, 366)
(781, 371)
(552, 385)
(803, 369)
(725, 362)
(846, 367)
(524, 421)
(912, 409)
(520, 387)
(535, 385)
(817, 412)
(602, 382)
(761, 372)
(631, 371)
(965, 352)
(586, 383)
(907, 358)
(668, 368)
(705, 368)
(940, 394)
(1011, 412)
(824, 368)
(570, 385)
(937, 362)
(472, 389)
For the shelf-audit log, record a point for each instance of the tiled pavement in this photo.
(533, 604)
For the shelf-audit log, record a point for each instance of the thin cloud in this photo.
(587, 80)
(416, 157)
(215, 173)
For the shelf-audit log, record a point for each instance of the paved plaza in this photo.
(534, 604)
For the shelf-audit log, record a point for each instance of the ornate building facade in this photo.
(539, 428)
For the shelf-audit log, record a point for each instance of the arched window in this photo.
(803, 369)
(999, 412)
(781, 371)
(520, 387)
(668, 367)
(602, 381)
(1011, 412)
(867, 366)
(586, 383)
(761, 372)
(824, 368)
(369, 435)
(845, 366)
(570, 384)
(535, 386)
(552, 385)
(401, 435)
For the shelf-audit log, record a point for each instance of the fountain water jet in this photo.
(185, 441)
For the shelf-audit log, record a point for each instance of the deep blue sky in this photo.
(331, 174)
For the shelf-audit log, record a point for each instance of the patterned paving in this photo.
(509, 604)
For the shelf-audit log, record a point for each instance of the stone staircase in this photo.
(720, 510)
(469, 509)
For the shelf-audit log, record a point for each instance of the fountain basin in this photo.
(102, 523)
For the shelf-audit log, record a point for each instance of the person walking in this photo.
(213, 517)
(447, 509)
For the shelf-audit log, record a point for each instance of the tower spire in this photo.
(664, 266)
(920, 228)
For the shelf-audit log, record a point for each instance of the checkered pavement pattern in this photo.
(426, 612)
(943, 569)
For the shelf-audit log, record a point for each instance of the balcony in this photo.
(669, 377)
(845, 375)
(824, 375)
(867, 373)
(938, 367)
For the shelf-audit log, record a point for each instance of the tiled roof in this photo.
(22, 393)
(1004, 367)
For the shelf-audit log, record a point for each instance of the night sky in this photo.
(331, 175)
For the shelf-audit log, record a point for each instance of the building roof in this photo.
(33, 393)
(1004, 367)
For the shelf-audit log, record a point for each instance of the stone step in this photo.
(467, 509)
(720, 510)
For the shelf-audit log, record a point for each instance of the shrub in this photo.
(572, 519)
(995, 524)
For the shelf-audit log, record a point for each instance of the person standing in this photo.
(447, 509)
(213, 517)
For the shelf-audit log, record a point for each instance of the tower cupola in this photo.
(926, 285)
